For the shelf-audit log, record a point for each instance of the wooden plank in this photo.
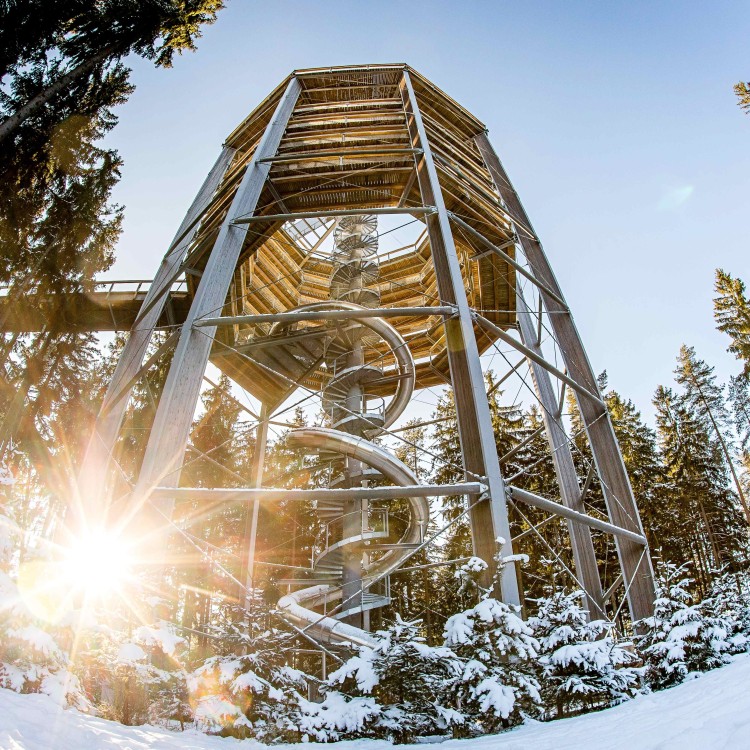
(618, 494)
(323, 214)
(584, 555)
(326, 315)
(166, 446)
(96, 462)
(498, 250)
(488, 517)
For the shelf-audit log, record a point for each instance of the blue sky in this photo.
(616, 121)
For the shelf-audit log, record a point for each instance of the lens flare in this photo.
(98, 563)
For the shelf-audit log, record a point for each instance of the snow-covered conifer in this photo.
(681, 637)
(730, 597)
(581, 668)
(246, 689)
(337, 717)
(407, 678)
(31, 659)
(496, 686)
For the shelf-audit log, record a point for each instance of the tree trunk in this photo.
(12, 123)
(725, 449)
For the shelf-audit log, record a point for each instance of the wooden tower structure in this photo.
(284, 289)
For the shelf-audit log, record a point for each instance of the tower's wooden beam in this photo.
(618, 494)
(169, 433)
(584, 555)
(96, 462)
(537, 501)
(489, 518)
(539, 360)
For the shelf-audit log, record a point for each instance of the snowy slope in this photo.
(708, 713)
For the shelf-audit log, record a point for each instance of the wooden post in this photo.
(584, 555)
(251, 519)
(621, 506)
(488, 517)
(92, 478)
(169, 433)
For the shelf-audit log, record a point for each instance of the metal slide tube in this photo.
(404, 360)
(296, 605)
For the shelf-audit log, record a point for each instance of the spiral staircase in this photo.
(352, 563)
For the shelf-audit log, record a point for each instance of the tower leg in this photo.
(93, 474)
(621, 506)
(169, 433)
(488, 517)
(570, 492)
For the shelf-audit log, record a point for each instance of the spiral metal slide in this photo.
(346, 399)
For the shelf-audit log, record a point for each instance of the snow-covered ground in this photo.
(711, 712)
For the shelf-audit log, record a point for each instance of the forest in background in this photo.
(63, 75)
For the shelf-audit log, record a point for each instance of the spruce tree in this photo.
(406, 677)
(730, 600)
(739, 398)
(681, 637)
(496, 688)
(705, 399)
(742, 90)
(412, 593)
(445, 468)
(34, 657)
(536, 533)
(246, 688)
(707, 527)
(82, 39)
(732, 314)
(640, 455)
(581, 668)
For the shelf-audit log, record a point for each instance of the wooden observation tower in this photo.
(285, 289)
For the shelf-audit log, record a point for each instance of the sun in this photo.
(98, 563)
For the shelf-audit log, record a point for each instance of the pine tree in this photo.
(61, 77)
(407, 679)
(705, 399)
(583, 458)
(536, 533)
(412, 593)
(732, 314)
(730, 597)
(135, 675)
(706, 525)
(32, 659)
(445, 468)
(581, 669)
(83, 39)
(739, 398)
(742, 90)
(496, 687)
(681, 638)
(218, 456)
(246, 688)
